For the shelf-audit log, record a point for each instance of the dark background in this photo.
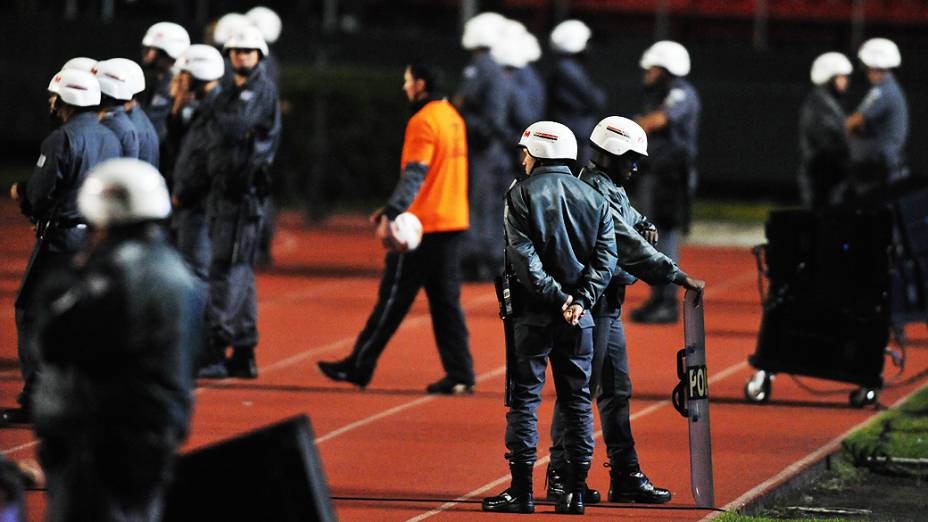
(345, 112)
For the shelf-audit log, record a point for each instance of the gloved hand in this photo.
(648, 231)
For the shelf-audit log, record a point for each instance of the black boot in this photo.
(242, 364)
(518, 498)
(631, 485)
(344, 371)
(660, 312)
(571, 502)
(557, 484)
(213, 362)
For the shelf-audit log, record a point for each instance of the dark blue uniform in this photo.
(116, 120)
(610, 359)
(49, 199)
(878, 153)
(159, 104)
(823, 148)
(245, 127)
(484, 104)
(575, 101)
(148, 137)
(117, 337)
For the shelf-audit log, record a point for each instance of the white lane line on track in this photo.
(801, 464)
(544, 460)
(20, 447)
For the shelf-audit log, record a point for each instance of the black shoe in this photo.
(242, 364)
(557, 485)
(510, 502)
(18, 415)
(342, 371)
(634, 486)
(660, 314)
(446, 386)
(570, 504)
(214, 370)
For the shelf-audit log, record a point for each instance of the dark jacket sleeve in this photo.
(406, 190)
(575, 90)
(598, 272)
(524, 259)
(47, 176)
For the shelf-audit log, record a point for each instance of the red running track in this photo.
(394, 441)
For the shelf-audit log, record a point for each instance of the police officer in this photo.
(618, 144)
(560, 246)
(149, 146)
(514, 51)
(162, 44)
(880, 126)
(115, 334)
(199, 71)
(226, 27)
(483, 99)
(671, 120)
(48, 199)
(245, 125)
(822, 139)
(117, 90)
(573, 97)
(433, 187)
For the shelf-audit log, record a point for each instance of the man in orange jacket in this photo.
(433, 187)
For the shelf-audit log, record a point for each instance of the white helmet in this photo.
(81, 63)
(114, 79)
(55, 83)
(531, 47)
(408, 231)
(880, 53)
(77, 88)
(267, 21)
(667, 54)
(247, 38)
(549, 140)
(203, 62)
(136, 74)
(167, 36)
(228, 25)
(829, 65)
(122, 191)
(617, 135)
(482, 30)
(570, 36)
(509, 50)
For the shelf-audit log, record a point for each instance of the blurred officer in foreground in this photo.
(880, 126)
(116, 90)
(149, 145)
(245, 126)
(671, 120)
(433, 187)
(115, 334)
(162, 44)
(618, 144)
(573, 98)
(483, 99)
(560, 254)
(822, 138)
(48, 199)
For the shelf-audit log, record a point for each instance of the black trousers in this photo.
(434, 266)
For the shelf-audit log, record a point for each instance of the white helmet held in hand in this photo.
(570, 36)
(122, 191)
(114, 79)
(408, 231)
(203, 62)
(247, 38)
(77, 88)
(829, 65)
(228, 25)
(880, 53)
(267, 21)
(81, 63)
(167, 36)
(549, 140)
(667, 54)
(483, 30)
(617, 135)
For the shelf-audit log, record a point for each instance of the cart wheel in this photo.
(757, 389)
(862, 397)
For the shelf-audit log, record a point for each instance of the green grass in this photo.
(733, 211)
(732, 517)
(906, 430)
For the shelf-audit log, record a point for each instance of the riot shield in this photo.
(691, 398)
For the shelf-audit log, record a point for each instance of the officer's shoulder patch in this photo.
(246, 95)
(41, 161)
(470, 72)
(875, 94)
(674, 97)
(157, 100)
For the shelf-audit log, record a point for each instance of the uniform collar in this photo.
(551, 169)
